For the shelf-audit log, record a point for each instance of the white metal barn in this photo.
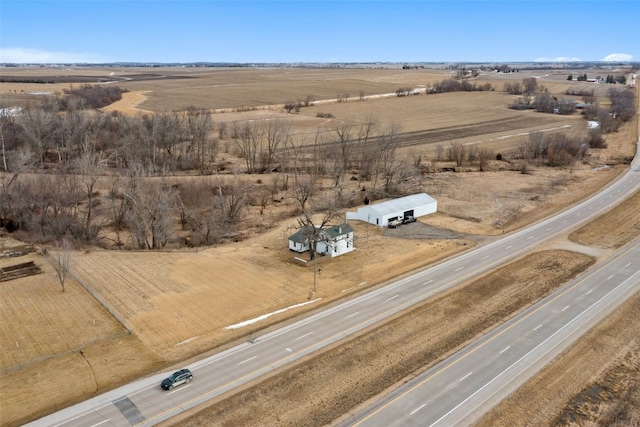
(415, 205)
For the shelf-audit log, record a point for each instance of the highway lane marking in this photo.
(351, 315)
(417, 409)
(465, 377)
(509, 247)
(428, 281)
(589, 291)
(565, 308)
(484, 257)
(102, 422)
(628, 264)
(302, 336)
(246, 360)
(531, 237)
(548, 229)
(537, 327)
(609, 278)
(458, 269)
(393, 297)
(178, 389)
(505, 349)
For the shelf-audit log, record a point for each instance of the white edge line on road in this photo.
(102, 422)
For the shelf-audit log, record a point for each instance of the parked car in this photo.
(408, 219)
(182, 376)
(395, 223)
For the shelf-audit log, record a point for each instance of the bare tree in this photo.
(148, 215)
(232, 201)
(91, 166)
(37, 126)
(198, 124)
(385, 158)
(340, 149)
(264, 199)
(457, 153)
(61, 259)
(119, 205)
(309, 100)
(249, 140)
(312, 230)
(275, 133)
(8, 134)
(530, 85)
(303, 190)
(366, 147)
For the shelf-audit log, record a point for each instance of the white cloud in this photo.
(35, 56)
(559, 59)
(618, 57)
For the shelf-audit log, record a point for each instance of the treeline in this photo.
(136, 156)
(453, 85)
(30, 81)
(558, 149)
(536, 97)
(90, 96)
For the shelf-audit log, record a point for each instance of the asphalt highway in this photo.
(462, 388)
(143, 402)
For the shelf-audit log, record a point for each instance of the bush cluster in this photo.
(91, 96)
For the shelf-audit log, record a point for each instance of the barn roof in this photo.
(402, 204)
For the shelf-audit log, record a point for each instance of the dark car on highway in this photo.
(182, 376)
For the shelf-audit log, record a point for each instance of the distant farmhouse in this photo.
(401, 209)
(334, 240)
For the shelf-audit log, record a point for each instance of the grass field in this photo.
(176, 304)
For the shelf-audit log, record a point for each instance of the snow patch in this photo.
(265, 316)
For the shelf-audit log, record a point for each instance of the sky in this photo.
(318, 31)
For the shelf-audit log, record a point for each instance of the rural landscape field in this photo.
(127, 311)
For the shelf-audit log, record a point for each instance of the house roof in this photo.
(338, 230)
(402, 204)
(332, 232)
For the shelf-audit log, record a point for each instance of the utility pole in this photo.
(315, 269)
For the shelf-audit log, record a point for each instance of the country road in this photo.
(143, 402)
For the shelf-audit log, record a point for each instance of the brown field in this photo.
(175, 305)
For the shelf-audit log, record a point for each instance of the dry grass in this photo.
(617, 233)
(215, 283)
